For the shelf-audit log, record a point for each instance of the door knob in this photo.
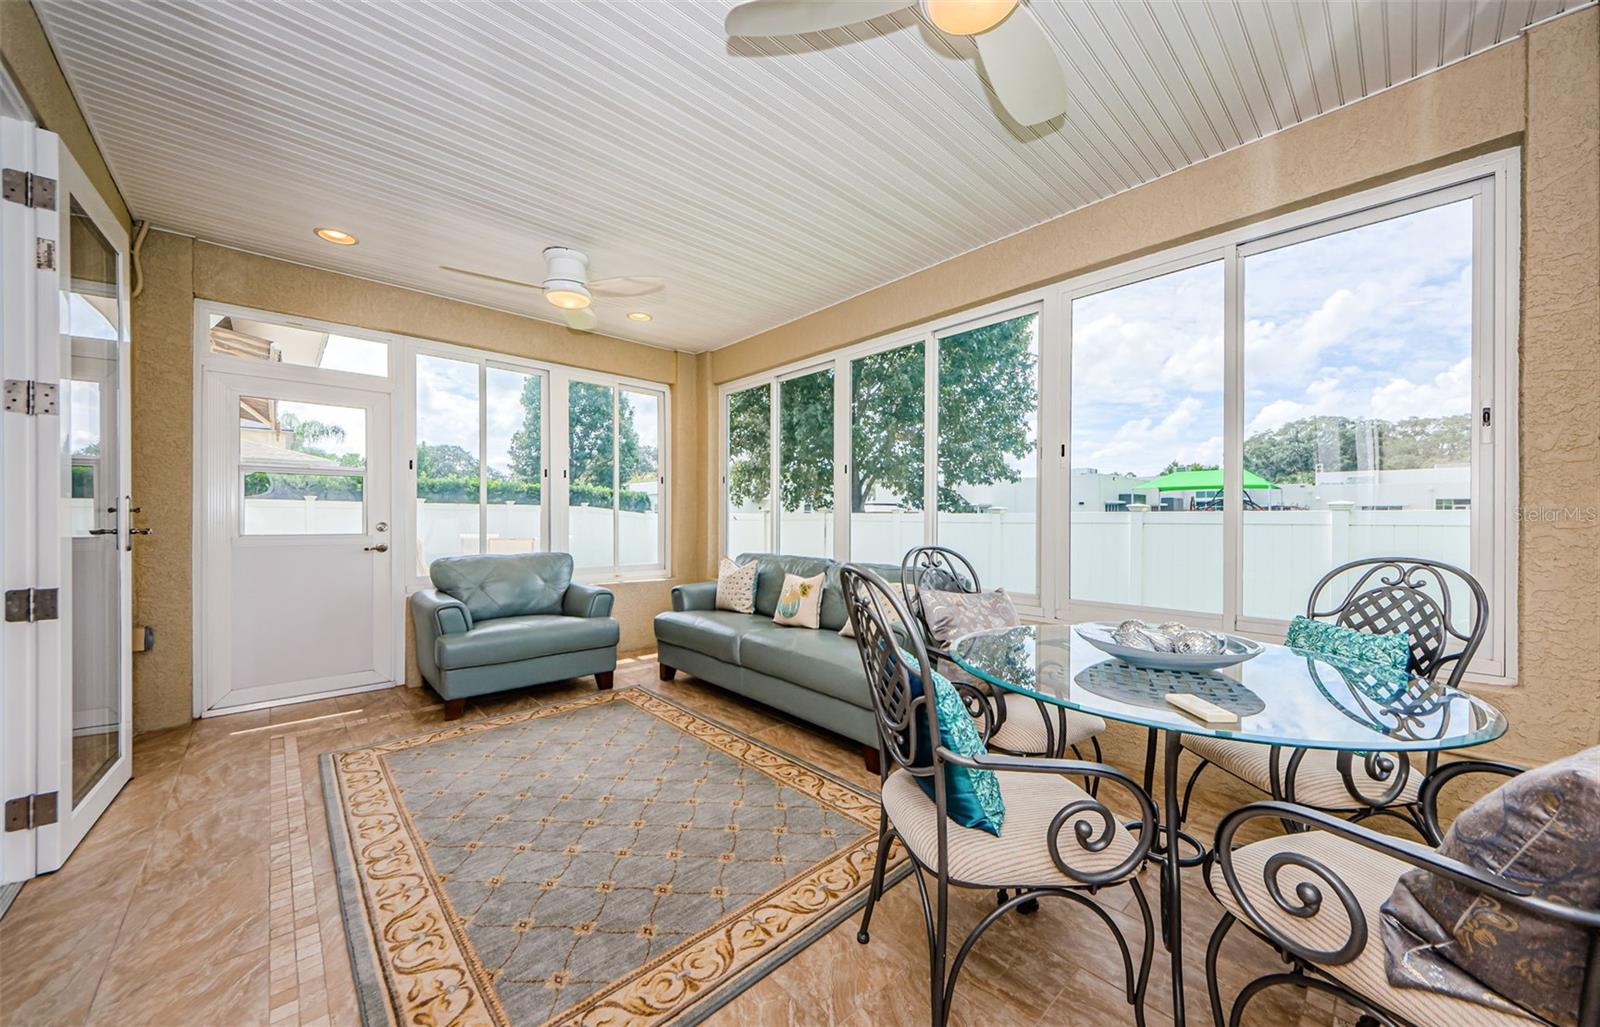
(381, 547)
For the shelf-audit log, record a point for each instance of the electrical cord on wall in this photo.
(140, 230)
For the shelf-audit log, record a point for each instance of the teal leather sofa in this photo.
(494, 622)
(813, 675)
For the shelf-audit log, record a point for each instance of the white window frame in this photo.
(400, 384)
(1493, 180)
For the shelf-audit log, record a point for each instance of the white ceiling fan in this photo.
(566, 285)
(1018, 56)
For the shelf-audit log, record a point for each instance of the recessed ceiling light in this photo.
(638, 315)
(336, 236)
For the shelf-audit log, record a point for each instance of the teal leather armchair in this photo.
(493, 622)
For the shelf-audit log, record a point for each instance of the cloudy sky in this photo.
(1374, 322)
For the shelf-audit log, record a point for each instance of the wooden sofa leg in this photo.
(454, 708)
(667, 673)
(603, 679)
(869, 756)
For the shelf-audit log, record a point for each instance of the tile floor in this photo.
(206, 895)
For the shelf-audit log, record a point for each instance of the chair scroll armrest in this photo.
(587, 601)
(1080, 813)
(701, 595)
(1428, 794)
(1308, 896)
(444, 614)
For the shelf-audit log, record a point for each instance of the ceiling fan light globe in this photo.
(967, 17)
(567, 295)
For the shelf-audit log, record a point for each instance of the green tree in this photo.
(305, 431)
(886, 390)
(590, 433)
(444, 460)
(987, 391)
(988, 388)
(1294, 452)
(1175, 466)
(527, 442)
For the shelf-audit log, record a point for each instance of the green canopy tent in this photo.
(1208, 480)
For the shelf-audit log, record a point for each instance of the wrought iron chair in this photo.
(1021, 726)
(1388, 595)
(1280, 889)
(1058, 841)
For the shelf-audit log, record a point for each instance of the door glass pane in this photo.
(89, 486)
(1147, 443)
(805, 464)
(639, 460)
(1357, 403)
(886, 467)
(749, 471)
(447, 459)
(303, 467)
(591, 441)
(515, 460)
(989, 451)
(302, 347)
(93, 304)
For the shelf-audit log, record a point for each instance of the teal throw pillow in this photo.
(972, 797)
(1319, 638)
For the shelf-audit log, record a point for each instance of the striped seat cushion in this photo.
(1023, 731)
(1020, 855)
(1371, 876)
(1317, 781)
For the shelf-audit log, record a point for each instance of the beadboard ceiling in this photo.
(763, 179)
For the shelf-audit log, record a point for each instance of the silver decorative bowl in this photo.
(1235, 650)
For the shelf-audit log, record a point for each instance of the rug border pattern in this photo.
(418, 967)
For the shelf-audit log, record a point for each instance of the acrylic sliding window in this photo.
(1358, 401)
(302, 467)
(1147, 428)
(615, 477)
(887, 454)
(987, 464)
(805, 463)
(747, 477)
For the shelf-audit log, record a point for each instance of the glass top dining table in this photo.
(1282, 696)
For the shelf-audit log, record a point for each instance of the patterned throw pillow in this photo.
(1319, 638)
(799, 602)
(1540, 830)
(953, 614)
(736, 586)
(972, 797)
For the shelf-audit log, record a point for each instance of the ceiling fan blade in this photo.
(792, 17)
(581, 320)
(1024, 68)
(491, 278)
(627, 286)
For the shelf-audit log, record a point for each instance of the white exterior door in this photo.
(298, 555)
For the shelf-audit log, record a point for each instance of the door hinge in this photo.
(31, 811)
(44, 254)
(23, 396)
(27, 605)
(28, 189)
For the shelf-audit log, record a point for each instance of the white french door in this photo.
(68, 533)
(297, 562)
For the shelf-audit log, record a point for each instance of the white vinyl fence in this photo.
(446, 529)
(1167, 560)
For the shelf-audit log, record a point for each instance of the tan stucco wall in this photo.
(32, 65)
(179, 270)
(1541, 91)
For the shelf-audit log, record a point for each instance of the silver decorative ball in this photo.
(1197, 643)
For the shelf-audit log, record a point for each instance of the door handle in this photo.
(381, 547)
(140, 531)
(102, 531)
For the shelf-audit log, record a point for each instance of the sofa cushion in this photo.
(818, 660)
(713, 633)
(509, 639)
(775, 565)
(504, 584)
